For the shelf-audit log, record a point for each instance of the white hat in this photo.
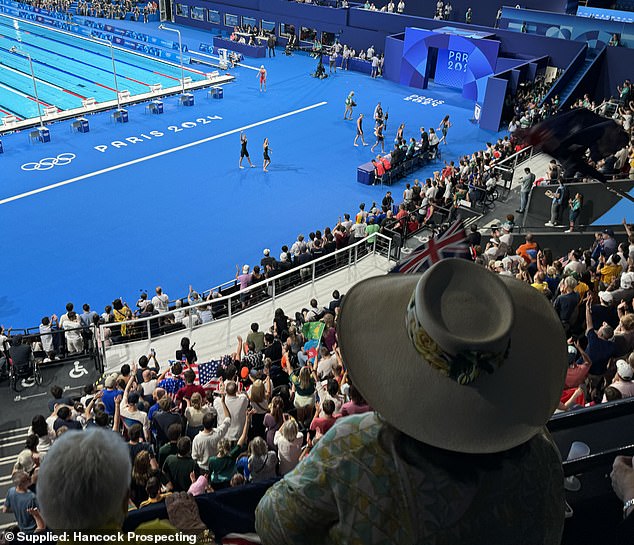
(266, 251)
(448, 362)
(627, 280)
(606, 297)
(624, 370)
(245, 269)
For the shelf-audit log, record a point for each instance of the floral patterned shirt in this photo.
(354, 489)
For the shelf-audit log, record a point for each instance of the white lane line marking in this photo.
(159, 154)
(59, 31)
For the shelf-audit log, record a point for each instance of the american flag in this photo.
(451, 243)
(206, 374)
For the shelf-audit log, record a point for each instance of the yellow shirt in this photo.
(158, 499)
(610, 272)
(582, 288)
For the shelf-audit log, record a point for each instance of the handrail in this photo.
(254, 287)
(230, 284)
(601, 459)
(591, 415)
(593, 60)
(92, 353)
(514, 158)
(568, 74)
(607, 184)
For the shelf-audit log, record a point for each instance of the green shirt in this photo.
(370, 230)
(222, 469)
(258, 339)
(301, 391)
(165, 451)
(177, 470)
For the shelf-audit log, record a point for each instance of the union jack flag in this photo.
(451, 243)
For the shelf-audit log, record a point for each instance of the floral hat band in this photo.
(465, 366)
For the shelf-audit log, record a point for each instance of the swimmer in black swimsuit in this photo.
(243, 150)
(380, 138)
(267, 159)
(359, 131)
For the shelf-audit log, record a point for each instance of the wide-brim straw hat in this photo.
(459, 358)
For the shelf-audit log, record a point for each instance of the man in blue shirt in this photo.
(110, 393)
(609, 243)
(600, 346)
(86, 318)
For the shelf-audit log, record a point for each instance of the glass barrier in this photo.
(230, 300)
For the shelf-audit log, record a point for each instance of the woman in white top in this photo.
(194, 414)
(433, 143)
(45, 435)
(288, 440)
(29, 458)
(74, 341)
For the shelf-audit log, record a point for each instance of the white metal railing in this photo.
(518, 157)
(266, 290)
(221, 287)
(509, 165)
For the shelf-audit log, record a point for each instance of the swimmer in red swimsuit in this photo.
(262, 76)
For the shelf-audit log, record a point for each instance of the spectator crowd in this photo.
(118, 9)
(254, 418)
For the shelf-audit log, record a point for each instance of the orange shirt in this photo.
(524, 249)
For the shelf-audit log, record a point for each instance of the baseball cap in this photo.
(110, 381)
(608, 232)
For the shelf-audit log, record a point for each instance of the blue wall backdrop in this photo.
(360, 28)
(484, 11)
(465, 62)
(595, 32)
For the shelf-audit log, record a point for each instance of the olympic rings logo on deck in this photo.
(49, 162)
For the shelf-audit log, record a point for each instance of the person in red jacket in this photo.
(379, 170)
(187, 391)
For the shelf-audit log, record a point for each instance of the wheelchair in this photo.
(491, 195)
(30, 374)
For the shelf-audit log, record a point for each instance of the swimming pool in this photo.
(70, 68)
